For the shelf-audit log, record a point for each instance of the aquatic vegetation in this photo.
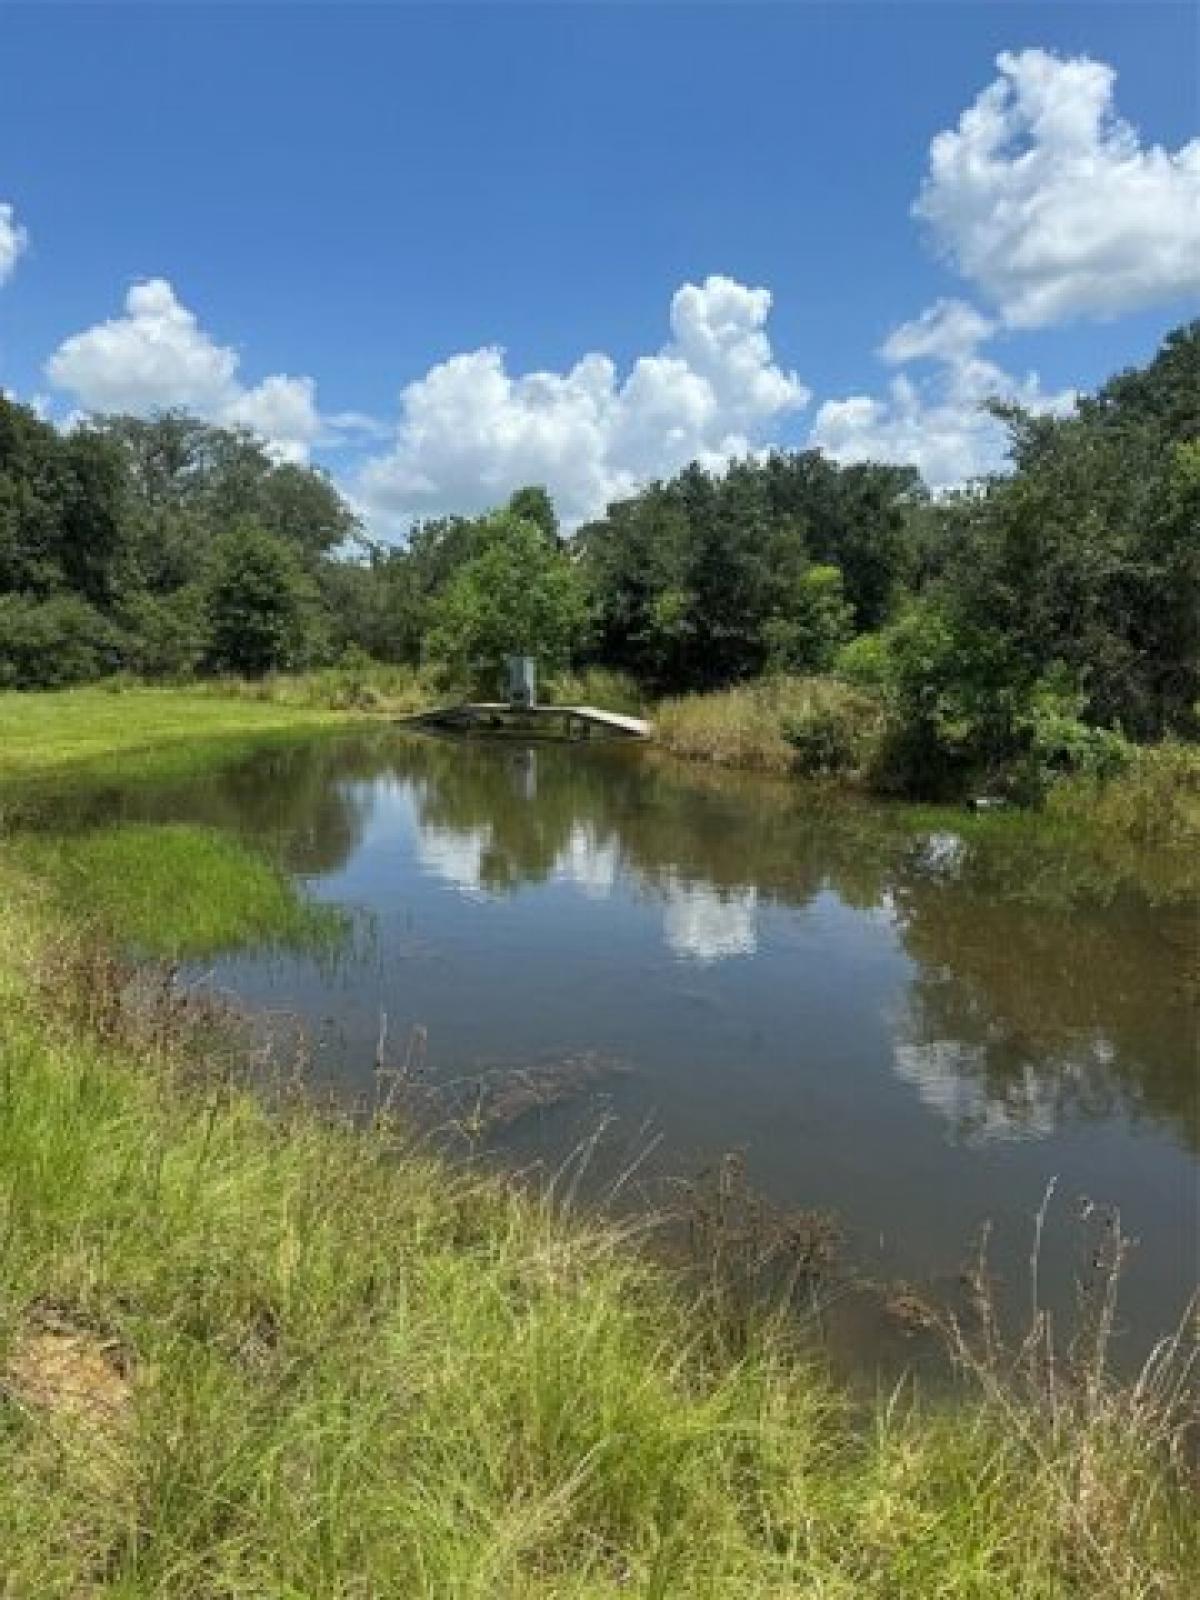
(1155, 800)
(498, 1099)
(175, 890)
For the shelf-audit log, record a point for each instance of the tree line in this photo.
(1058, 603)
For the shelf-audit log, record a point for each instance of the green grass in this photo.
(256, 1352)
(175, 890)
(594, 686)
(315, 1361)
(367, 686)
(131, 733)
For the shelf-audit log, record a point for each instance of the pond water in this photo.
(914, 1027)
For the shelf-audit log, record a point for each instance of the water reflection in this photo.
(1035, 995)
(913, 1026)
(705, 924)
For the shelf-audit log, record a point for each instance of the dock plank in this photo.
(617, 721)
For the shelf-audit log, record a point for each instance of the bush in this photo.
(49, 644)
(168, 635)
(1060, 744)
(831, 727)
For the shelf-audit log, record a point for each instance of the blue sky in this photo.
(352, 195)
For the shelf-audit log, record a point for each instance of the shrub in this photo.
(49, 644)
(831, 727)
(168, 634)
(1059, 743)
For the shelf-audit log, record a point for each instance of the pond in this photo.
(913, 1024)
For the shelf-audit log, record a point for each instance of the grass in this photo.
(820, 727)
(365, 686)
(174, 890)
(255, 1353)
(131, 732)
(594, 686)
(252, 1351)
(815, 726)
(1156, 800)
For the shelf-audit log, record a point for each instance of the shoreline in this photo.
(261, 1343)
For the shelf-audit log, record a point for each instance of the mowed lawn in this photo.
(42, 735)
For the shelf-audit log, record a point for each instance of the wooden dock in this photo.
(498, 716)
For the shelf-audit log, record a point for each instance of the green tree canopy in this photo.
(260, 604)
(518, 594)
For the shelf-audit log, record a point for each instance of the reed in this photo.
(817, 727)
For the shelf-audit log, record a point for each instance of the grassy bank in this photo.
(816, 727)
(822, 728)
(134, 732)
(248, 1352)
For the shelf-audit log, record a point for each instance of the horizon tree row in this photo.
(169, 547)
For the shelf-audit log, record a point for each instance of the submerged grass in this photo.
(175, 890)
(250, 1352)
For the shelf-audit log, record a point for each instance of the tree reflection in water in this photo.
(1046, 985)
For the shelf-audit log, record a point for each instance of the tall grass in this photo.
(364, 685)
(248, 1353)
(594, 686)
(816, 726)
(1155, 800)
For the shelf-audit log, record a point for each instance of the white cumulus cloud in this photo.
(470, 431)
(948, 330)
(13, 240)
(157, 356)
(936, 422)
(1048, 201)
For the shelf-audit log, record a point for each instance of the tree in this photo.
(816, 618)
(261, 605)
(535, 505)
(1088, 558)
(195, 476)
(518, 595)
(1166, 393)
(62, 508)
(51, 643)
